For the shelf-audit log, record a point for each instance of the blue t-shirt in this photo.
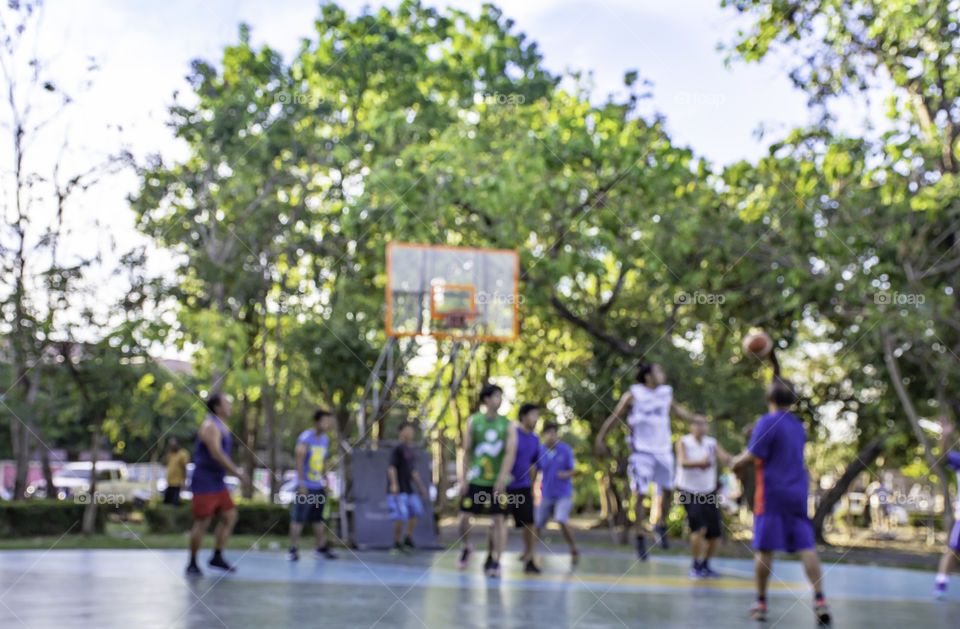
(528, 447)
(318, 448)
(782, 484)
(559, 459)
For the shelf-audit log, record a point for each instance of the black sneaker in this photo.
(193, 570)
(408, 544)
(531, 568)
(217, 561)
(488, 563)
(324, 553)
(398, 549)
(641, 547)
(464, 556)
(662, 537)
(292, 554)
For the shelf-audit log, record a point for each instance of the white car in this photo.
(74, 479)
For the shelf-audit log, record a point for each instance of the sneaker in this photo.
(408, 544)
(217, 561)
(661, 536)
(531, 568)
(488, 563)
(464, 557)
(293, 555)
(324, 553)
(641, 547)
(822, 610)
(398, 549)
(193, 570)
(939, 590)
(574, 557)
(707, 572)
(494, 570)
(694, 573)
(758, 611)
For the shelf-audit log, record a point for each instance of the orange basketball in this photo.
(758, 345)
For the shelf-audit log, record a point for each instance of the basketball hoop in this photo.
(457, 319)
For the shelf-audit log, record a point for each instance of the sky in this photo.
(144, 49)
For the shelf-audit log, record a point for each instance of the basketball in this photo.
(758, 345)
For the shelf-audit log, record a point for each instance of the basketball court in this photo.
(123, 588)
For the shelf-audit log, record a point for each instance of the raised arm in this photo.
(681, 411)
(600, 447)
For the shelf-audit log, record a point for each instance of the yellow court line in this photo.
(658, 581)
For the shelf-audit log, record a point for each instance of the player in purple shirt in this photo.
(950, 556)
(780, 510)
(211, 459)
(519, 492)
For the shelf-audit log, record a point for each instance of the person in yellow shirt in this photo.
(177, 459)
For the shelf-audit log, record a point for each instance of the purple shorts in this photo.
(782, 531)
(954, 541)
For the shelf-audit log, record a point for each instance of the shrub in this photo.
(46, 517)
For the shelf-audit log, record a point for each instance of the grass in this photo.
(133, 536)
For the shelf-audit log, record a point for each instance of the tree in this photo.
(38, 193)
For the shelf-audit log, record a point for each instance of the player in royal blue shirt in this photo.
(780, 520)
(557, 469)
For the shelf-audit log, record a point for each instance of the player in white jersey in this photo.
(950, 556)
(697, 456)
(647, 405)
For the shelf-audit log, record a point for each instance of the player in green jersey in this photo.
(489, 447)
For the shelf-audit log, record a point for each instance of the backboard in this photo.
(452, 292)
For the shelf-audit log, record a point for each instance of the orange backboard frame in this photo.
(434, 314)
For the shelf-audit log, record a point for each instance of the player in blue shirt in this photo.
(312, 450)
(780, 520)
(950, 556)
(556, 467)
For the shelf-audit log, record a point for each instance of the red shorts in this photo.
(208, 505)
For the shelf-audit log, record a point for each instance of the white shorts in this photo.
(644, 468)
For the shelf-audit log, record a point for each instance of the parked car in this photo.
(112, 482)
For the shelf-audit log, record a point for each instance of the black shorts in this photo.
(479, 500)
(520, 505)
(703, 512)
(308, 507)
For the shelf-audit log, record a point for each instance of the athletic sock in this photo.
(943, 578)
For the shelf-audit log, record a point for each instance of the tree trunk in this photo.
(90, 512)
(932, 462)
(863, 460)
(44, 460)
